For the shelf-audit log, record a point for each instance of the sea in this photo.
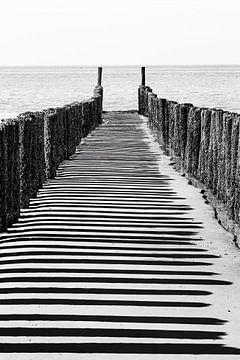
(36, 88)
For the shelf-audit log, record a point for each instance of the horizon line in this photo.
(118, 65)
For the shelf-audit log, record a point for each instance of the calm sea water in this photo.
(35, 88)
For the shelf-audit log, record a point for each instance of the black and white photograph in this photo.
(119, 179)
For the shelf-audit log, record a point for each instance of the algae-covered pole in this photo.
(99, 83)
(143, 73)
(141, 92)
(98, 92)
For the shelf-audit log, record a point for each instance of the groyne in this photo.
(34, 144)
(204, 145)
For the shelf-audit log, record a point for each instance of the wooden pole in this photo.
(143, 76)
(99, 76)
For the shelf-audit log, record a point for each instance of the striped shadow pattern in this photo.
(106, 259)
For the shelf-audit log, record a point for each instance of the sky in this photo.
(119, 32)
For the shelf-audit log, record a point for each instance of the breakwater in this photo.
(204, 145)
(34, 144)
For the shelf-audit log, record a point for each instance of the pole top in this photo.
(143, 83)
(99, 83)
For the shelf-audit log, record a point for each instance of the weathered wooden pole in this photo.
(141, 92)
(98, 92)
(143, 76)
(99, 83)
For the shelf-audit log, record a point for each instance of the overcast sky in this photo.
(105, 32)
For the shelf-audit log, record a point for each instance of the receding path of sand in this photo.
(118, 254)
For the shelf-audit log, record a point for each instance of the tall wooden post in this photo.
(98, 92)
(143, 76)
(99, 83)
(141, 92)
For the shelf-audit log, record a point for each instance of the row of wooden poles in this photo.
(34, 144)
(204, 142)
